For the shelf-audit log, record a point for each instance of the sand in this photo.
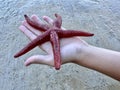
(99, 16)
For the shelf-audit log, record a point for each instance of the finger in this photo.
(63, 28)
(45, 47)
(48, 20)
(28, 33)
(38, 22)
(39, 59)
(58, 21)
(30, 28)
(35, 18)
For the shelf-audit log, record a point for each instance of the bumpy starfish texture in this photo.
(52, 34)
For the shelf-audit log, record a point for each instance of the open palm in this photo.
(70, 47)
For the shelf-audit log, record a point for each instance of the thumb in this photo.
(39, 59)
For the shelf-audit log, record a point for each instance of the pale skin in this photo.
(80, 52)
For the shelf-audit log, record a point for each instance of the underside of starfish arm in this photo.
(39, 40)
(56, 49)
(35, 24)
(58, 21)
(70, 33)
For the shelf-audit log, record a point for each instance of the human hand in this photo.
(71, 48)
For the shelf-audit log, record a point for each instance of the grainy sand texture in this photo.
(102, 17)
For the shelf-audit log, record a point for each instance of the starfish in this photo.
(52, 34)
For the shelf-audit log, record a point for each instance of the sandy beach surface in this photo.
(102, 17)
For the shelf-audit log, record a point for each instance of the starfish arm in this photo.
(39, 40)
(35, 25)
(58, 21)
(56, 49)
(70, 33)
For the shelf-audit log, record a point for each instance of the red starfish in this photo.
(53, 34)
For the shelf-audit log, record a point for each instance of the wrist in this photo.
(83, 53)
